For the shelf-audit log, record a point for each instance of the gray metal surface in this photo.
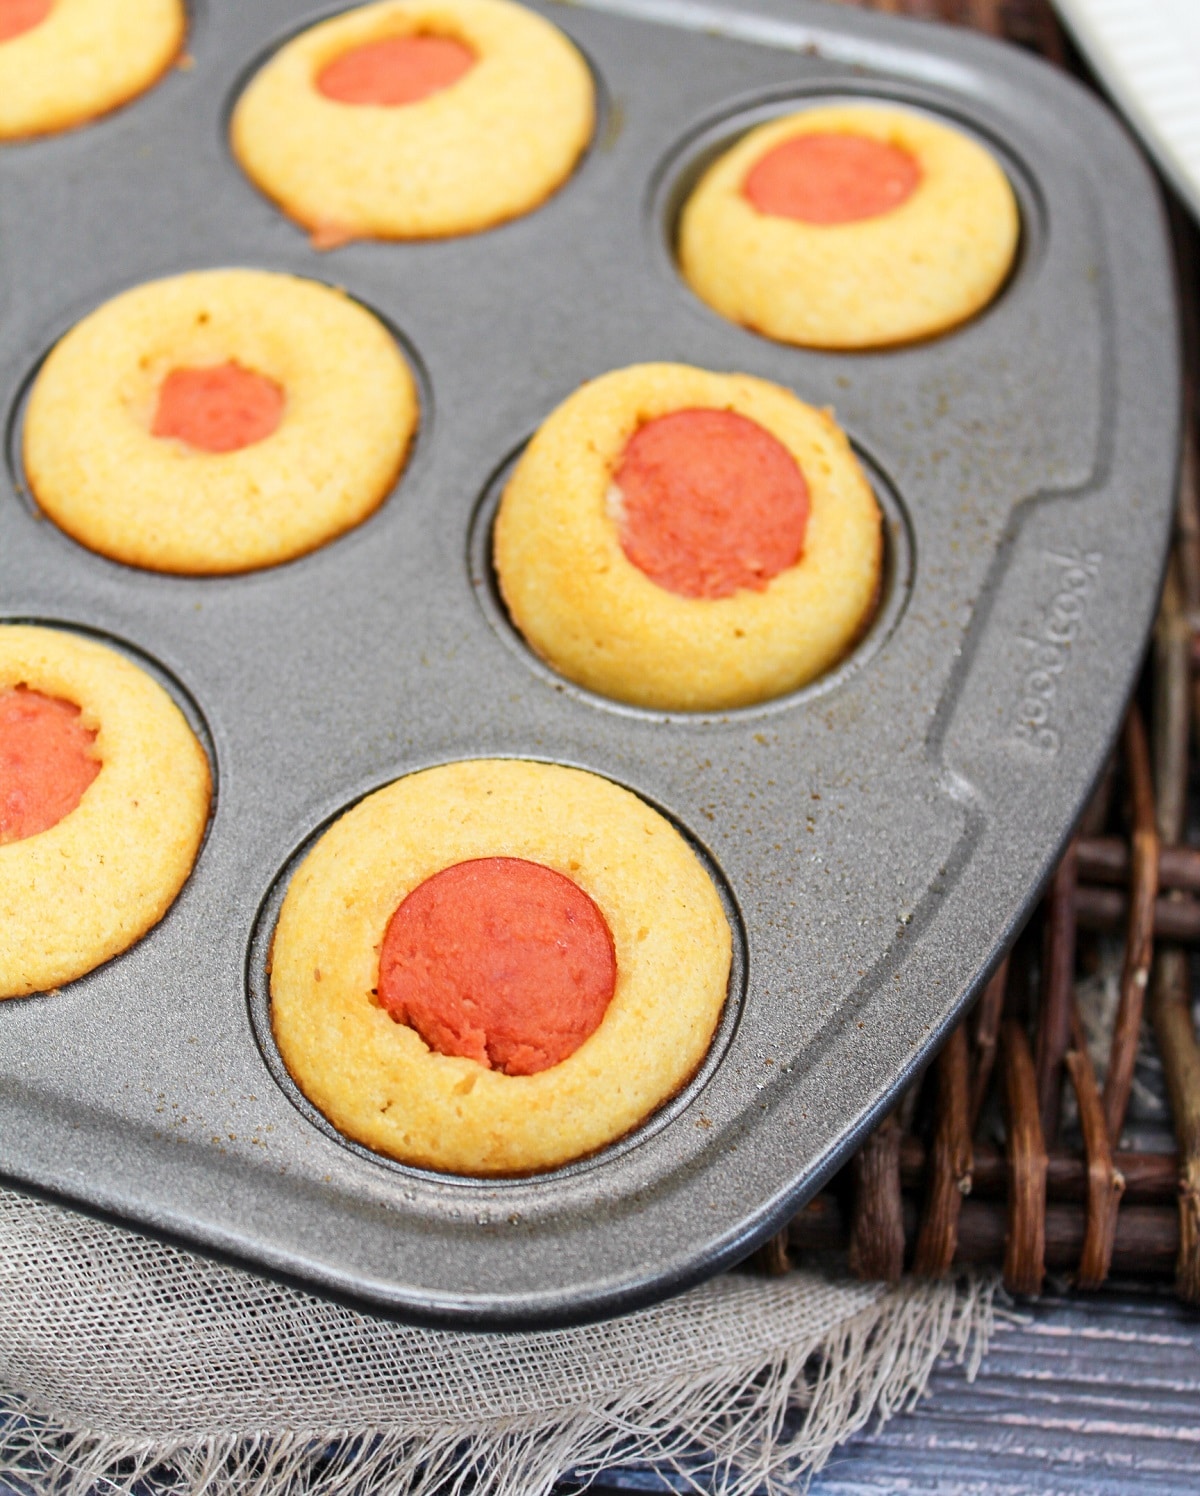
(880, 835)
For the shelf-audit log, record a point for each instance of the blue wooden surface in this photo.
(1101, 1396)
(1097, 1396)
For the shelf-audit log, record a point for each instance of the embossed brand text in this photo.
(1048, 646)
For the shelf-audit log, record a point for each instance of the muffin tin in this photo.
(878, 837)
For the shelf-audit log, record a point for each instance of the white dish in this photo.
(1147, 52)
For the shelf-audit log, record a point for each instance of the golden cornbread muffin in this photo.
(737, 559)
(94, 879)
(415, 119)
(63, 62)
(335, 953)
(853, 226)
(219, 421)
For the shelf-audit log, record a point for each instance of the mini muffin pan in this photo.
(877, 837)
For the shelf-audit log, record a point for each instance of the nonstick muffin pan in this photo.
(877, 837)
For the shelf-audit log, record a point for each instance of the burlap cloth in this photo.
(129, 1364)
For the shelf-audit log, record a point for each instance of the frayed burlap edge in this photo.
(734, 1428)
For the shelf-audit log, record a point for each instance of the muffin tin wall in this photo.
(880, 835)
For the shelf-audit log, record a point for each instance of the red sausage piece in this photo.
(17, 16)
(831, 179)
(499, 960)
(219, 409)
(711, 502)
(397, 70)
(46, 762)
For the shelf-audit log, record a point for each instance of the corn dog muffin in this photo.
(495, 967)
(416, 119)
(104, 796)
(219, 421)
(853, 226)
(688, 541)
(63, 62)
